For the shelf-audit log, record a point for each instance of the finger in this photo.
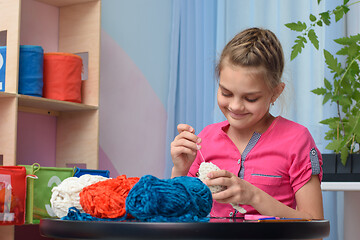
(183, 142)
(223, 196)
(219, 174)
(182, 150)
(188, 136)
(185, 127)
(221, 181)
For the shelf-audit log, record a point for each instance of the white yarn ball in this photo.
(66, 194)
(204, 169)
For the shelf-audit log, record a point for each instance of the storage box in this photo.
(82, 171)
(2, 68)
(12, 195)
(39, 190)
(31, 70)
(62, 76)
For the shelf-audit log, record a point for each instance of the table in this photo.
(216, 228)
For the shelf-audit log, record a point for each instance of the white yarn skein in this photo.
(66, 194)
(204, 169)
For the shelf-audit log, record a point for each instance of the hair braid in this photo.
(255, 47)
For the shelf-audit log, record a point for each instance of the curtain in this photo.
(200, 31)
(192, 81)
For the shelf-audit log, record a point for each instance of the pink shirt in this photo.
(279, 161)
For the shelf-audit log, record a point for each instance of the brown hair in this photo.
(255, 47)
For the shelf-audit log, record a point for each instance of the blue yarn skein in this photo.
(181, 199)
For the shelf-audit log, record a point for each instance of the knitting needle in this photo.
(198, 147)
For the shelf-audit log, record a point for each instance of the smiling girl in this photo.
(270, 165)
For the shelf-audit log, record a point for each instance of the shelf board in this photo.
(52, 105)
(7, 95)
(62, 3)
(340, 186)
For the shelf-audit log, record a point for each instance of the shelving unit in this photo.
(71, 26)
(351, 206)
(340, 186)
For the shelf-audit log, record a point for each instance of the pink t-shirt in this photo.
(279, 161)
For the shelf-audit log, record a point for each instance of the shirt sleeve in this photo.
(306, 161)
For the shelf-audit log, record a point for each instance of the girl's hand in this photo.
(184, 149)
(237, 190)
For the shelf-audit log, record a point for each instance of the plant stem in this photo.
(353, 3)
(340, 120)
(343, 76)
(352, 144)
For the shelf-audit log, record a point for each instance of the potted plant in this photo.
(343, 90)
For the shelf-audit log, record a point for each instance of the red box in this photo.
(62, 76)
(12, 195)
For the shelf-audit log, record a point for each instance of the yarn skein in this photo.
(74, 214)
(66, 194)
(180, 199)
(106, 199)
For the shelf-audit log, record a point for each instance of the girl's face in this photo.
(244, 97)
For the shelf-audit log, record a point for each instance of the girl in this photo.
(270, 165)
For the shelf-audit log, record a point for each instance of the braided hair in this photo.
(255, 47)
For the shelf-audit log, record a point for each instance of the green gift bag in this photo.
(39, 190)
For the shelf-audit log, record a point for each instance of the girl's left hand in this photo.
(237, 191)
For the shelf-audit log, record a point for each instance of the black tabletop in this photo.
(216, 228)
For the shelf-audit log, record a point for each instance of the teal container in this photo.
(31, 70)
(2, 68)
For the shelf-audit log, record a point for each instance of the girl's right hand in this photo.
(184, 149)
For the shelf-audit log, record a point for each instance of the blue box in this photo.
(31, 70)
(2, 68)
(31, 63)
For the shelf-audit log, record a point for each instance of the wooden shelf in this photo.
(340, 186)
(52, 105)
(62, 3)
(7, 95)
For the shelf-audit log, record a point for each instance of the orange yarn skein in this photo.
(106, 199)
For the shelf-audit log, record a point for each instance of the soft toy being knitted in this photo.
(204, 169)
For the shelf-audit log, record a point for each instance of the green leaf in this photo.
(339, 13)
(312, 18)
(318, 1)
(344, 101)
(348, 40)
(357, 138)
(334, 145)
(344, 155)
(330, 120)
(345, 8)
(319, 91)
(355, 123)
(319, 23)
(344, 51)
(299, 26)
(346, 1)
(356, 96)
(298, 46)
(327, 84)
(332, 62)
(313, 38)
(325, 17)
(327, 97)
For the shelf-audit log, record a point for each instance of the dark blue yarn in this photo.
(75, 215)
(181, 199)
